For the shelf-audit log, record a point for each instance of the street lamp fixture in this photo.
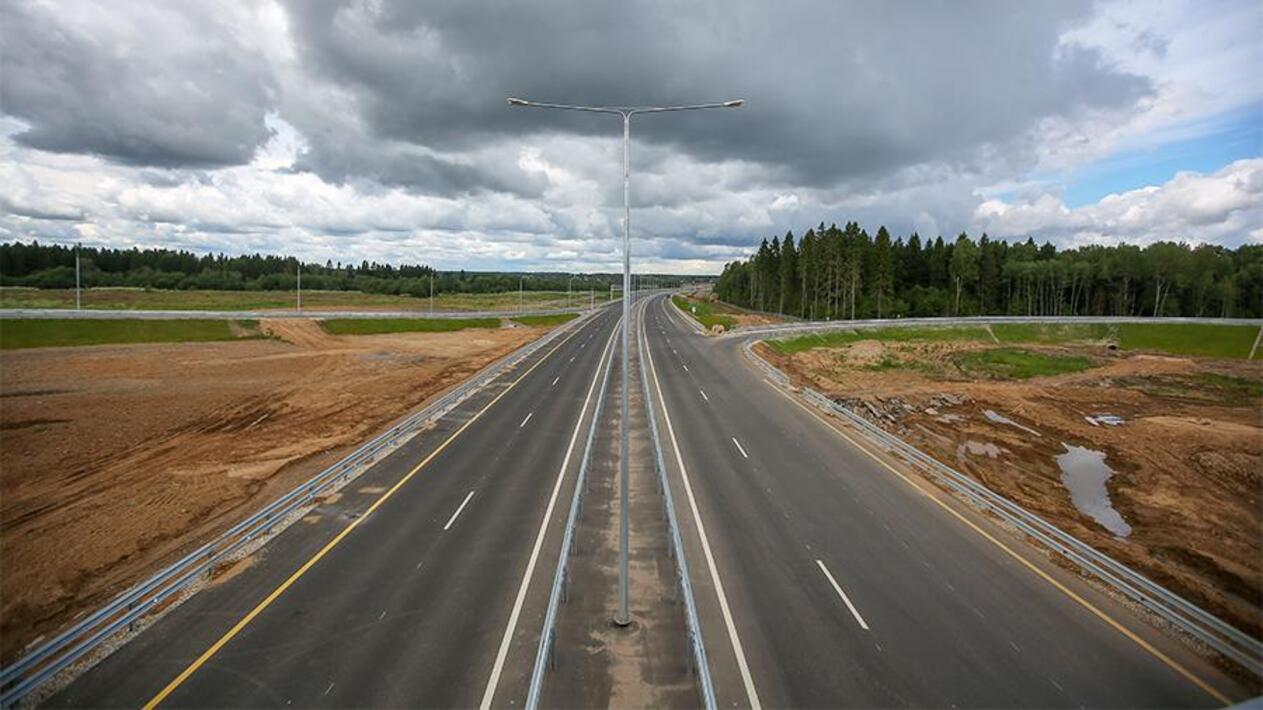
(623, 617)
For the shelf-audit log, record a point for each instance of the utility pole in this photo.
(520, 279)
(299, 271)
(431, 292)
(623, 617)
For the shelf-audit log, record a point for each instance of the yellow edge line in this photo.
(245, 621)
(1170, 662)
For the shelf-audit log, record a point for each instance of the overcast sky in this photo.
(379, 130)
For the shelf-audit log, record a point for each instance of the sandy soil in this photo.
(1188, 456)
(116, 458)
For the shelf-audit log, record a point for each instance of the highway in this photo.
(422, 584)
(826, 579)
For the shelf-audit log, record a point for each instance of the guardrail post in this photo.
(552, 649)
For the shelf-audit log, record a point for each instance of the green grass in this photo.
(156, 299)
(789, 346)
(1051, 333)
(371, 326)
(15, 333)
(708, 314)
(556, 319)
(1240, 386)
(1232, 341)
(1200, 339)
(1018, 364)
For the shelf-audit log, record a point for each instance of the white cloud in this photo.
(1222, 208)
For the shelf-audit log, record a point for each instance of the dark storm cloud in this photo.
(157, 86)
(835, 90)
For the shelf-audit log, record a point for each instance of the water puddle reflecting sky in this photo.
(1084, 474)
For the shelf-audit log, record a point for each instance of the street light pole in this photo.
(520, 280)
(299, 272)
(623, 617)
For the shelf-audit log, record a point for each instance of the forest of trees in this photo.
(843, 273)
(53, 266)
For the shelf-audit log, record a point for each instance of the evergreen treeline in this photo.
(53, 266)
(833, 273)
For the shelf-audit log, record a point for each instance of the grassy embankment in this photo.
(154, 299)
(555, 319)
(39, 333)
(707, 313)
(373, 326)
(1197, 339)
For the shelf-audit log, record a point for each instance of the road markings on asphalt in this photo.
(751, 694)
(845, 599)
(289, 582)
(699, 389)
(329, 688)
(452, 519)
(1089, 606)
(527, 419)
(498, 666)
(686, 367)
(743, 451)
(558, 377)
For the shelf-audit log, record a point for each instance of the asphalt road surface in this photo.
(824, 578)
(845, 584)
(406, 590)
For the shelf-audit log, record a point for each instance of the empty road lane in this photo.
(398, 591)
(848, 586)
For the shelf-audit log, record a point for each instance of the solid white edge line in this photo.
(457, 513)
(845, 599)
(527, 419)
(494, 679)
(743, 451)
(744, 667)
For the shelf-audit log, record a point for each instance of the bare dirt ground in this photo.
(1187, 455)
(116, 458)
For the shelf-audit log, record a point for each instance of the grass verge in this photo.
(789, 346)
(372, 326)
(555, 319)
(708, 314)
(1018, 364)
(41, 333)
(1199, 339)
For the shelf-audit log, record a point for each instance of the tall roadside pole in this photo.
(299, 272)
(623, 617)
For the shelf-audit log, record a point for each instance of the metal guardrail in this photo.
(548, 635)
(40, 664)
(772, 331)
(282, 314)
(696, 643)
(1174, 609)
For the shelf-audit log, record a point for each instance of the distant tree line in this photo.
(53, 266)
(841, 273)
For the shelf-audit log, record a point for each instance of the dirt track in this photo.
(116, 457)
(1188, 457)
